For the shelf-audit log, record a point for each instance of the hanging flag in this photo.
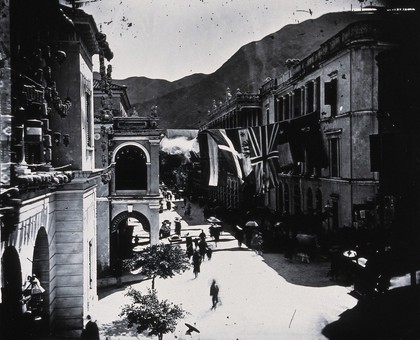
(285, 151)
(209, 159)
(264, 155)
(227, 150)
(240, 141)
(213, 162)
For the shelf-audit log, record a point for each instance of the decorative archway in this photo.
(11, 292)
(121, 236)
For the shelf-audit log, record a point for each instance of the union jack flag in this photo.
(264, 155)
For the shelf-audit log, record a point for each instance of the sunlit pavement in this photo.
(256, 302)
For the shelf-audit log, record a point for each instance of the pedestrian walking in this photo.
(216, 235)
(209, 253)
(202, 246)
(214, 293)
(239, 235)
(91, 330)
(168, 204)
(202, 235)
(196, 263)
(189, 244)
(178, 226)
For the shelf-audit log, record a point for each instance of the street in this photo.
(256, 302)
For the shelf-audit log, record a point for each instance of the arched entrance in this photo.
(11, 293)
(40, 267)
(124, 229)
(130, 169)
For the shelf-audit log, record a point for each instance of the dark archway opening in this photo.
(128, 230)
(11, 292)
(40, 267)
(130, 169)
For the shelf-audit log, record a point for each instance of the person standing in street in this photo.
(202, 235)
(239, 235)
(91, 330)
(214, 293)
(196, 263)
(178, 226)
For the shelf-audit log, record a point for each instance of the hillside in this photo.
(184, 103)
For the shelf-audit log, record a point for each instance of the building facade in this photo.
(48, 193)
(326, 110)
(127, 159)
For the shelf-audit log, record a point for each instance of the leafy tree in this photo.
(148, 313)
(161, 260)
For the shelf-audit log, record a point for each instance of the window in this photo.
(317, 94)
(330, 95)
(309, 200)
(280, 198)
(318, 201)
(89, 127)
(278, 108)
(286, 198)
(297, 198)
(334, 153)
(309, 97)
(287, 106)
(297, 103)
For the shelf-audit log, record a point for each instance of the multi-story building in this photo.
(238, 110)
(48, 188)
(326, 108)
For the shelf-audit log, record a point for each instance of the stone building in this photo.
(49, 187)
(325, 108)
(127, 151)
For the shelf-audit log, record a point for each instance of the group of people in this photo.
(198, 249)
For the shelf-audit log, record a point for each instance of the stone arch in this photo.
(41, 268)
(140, 146)
(121, 236)
(11, 292)
(131, 167)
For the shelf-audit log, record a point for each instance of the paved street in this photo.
(262, 297)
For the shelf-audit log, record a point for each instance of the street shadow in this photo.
(393, 315)
(313, 274)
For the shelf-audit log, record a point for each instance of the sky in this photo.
(171, 39)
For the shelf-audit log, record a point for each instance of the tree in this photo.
(161, 260)
(148, 313)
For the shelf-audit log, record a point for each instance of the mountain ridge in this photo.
(183, 103)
